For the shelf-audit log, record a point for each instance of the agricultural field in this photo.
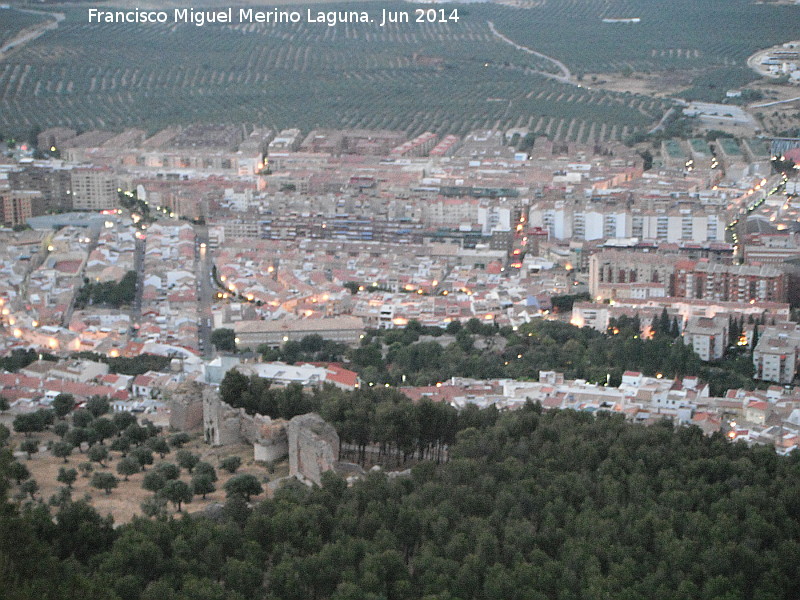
(448, 78)
(711, 85)
(451, 78)
(124, 502)
(679, 34)
(14, 21)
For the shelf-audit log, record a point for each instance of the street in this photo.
(205, 290)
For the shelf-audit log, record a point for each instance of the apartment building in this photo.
(616, 217)
(94, 188)
(17, 206)
(52, 179)
(731, 283)
(776, 354)
(708, 336)
(615, 274)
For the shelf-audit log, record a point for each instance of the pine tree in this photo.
(663, 325)
(675, 330)
(654, 326)
(733, 330)
(754, 341)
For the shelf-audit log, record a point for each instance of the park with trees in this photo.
(108, 293)
(423, 355)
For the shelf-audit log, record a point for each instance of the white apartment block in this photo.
(570, 220)
(708, 336)
(494, 218)
(94, 189)
(775, 356)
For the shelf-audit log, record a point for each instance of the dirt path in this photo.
(775, 102)
(31, 33)
(565, 75)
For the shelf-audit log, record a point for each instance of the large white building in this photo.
(776, 354)
(598, 315)
(252, 334)
(589, 220)
(493, 218)
(708, 336)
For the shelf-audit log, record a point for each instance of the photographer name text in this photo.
(330, 18)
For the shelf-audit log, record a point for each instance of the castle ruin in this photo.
(311, 444)
(313, 448)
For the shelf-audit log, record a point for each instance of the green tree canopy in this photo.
(128, 466)
(159, 445)
(98, 406)
(244, 485)
(98, 454)
(104, 428)
(153, 481)
(18, 472)
(28, 423)
(177, 492)
(143, 455)
(186, 459)
(168, 470)
(202, 484)
(230, 463)
(67, 476)
(82, 418)
(103, 480)
(63, 405)
(62, 450)
(224, 339)
(29, 446)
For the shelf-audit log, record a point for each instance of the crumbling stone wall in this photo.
(224, 425)
(313, 447)
(186, 405)
(272, 441)
(221, 422)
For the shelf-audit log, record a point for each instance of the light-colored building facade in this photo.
(617, 218)
(775, 356)
(611, 273)
(252, 334)
(731, 283)
(94, 189)
(708, 336)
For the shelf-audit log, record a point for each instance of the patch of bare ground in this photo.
(124, 502)
(658, 84)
